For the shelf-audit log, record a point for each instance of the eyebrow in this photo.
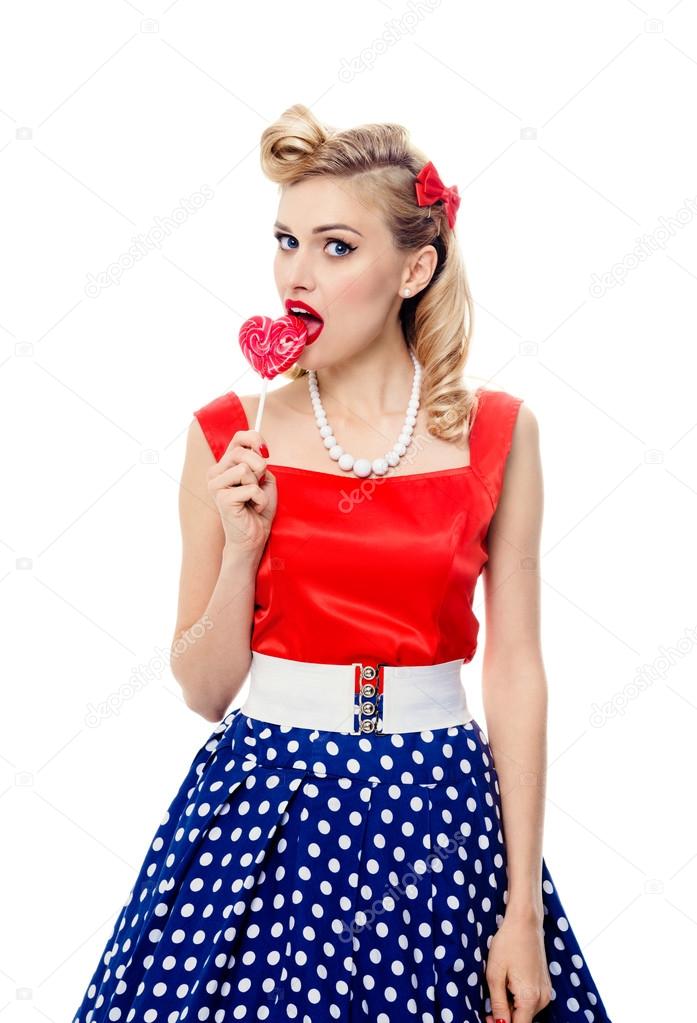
(323, 228)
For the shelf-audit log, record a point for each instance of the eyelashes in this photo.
(330, 241)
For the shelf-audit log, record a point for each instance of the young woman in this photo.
(348, 844)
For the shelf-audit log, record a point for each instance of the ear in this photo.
(421, 269)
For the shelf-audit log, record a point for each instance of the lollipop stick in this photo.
(260, 408)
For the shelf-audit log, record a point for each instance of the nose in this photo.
(300, 275)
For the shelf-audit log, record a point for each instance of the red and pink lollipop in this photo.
(270, 347)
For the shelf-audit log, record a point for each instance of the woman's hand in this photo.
(244, 492)
(517, 961)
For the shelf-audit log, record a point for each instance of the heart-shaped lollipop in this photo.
(271, 347)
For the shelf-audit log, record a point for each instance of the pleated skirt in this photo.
(315, 875)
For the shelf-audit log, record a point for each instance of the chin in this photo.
(312, 358)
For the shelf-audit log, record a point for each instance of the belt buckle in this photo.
(368, 698)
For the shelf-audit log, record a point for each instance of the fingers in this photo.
(233, 497)
(241, 451)
(247, 444)
(496, 981)
(237, 475)
(501, 1012)
(254, 493)
(524, 1010)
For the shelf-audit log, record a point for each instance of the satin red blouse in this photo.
(373, 570)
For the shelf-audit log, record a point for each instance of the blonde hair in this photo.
(383, 164)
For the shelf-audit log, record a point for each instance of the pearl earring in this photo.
(406, 292)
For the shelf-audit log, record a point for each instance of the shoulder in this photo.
(497, 400)
(520, 450)
(525, 434)
(516, 412)
(504, 431)
(222, 404)
(219, 419)
(501, 415)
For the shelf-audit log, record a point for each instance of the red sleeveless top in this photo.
(381, 569)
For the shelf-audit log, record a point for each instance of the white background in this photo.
(569, 130)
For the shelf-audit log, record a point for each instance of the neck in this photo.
(372, 383)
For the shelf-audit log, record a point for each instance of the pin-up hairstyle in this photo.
(381, 164)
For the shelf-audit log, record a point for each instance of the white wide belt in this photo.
(371, 698)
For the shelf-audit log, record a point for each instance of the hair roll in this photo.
(382, 165)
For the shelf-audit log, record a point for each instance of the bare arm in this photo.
(210, 654)
(514, 681)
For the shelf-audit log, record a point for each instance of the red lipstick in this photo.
(311, 318)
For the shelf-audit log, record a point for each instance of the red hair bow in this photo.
(430, 188)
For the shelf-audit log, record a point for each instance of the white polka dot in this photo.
(296, 865)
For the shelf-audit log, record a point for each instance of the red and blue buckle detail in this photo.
(368, 699)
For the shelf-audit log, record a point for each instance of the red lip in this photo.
(303, 305)
(313, 329)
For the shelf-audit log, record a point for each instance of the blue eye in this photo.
(331, 241)
(337, 241)
(279, 236)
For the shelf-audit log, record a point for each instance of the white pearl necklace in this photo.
(363, 467)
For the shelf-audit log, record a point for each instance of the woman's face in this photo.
(350, 274)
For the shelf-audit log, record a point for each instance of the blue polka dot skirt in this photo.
(314, 876)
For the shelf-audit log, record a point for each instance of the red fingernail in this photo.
(264, 451)
(499, 1021)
